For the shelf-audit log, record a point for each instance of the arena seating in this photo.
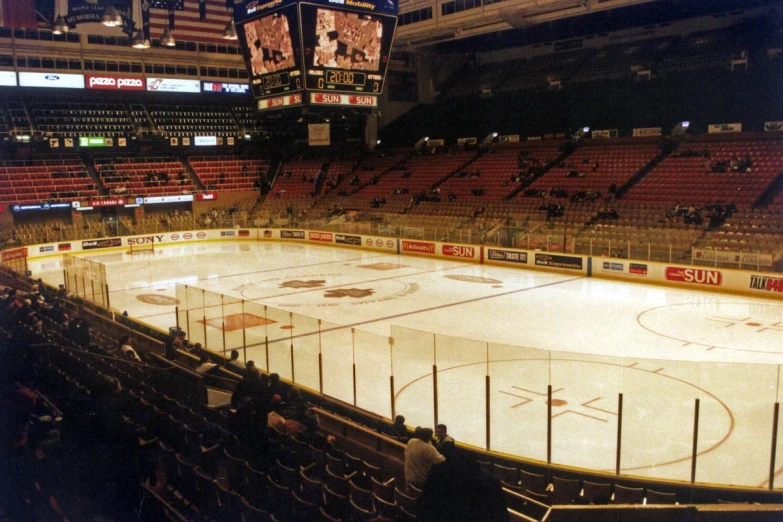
(297, 178)
(44, 180)
(684, 178)
(228, 173)
(624, 60)
(68, 117)
(186, 118)
(498, 170)
(537, 72)
(126, 176)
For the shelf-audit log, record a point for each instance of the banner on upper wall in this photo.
(174, 142)
(466, 141)
(436, 143)
(51, 80)
(318, 134)
(717, 128)
(510, 138)
(91, 11)
(54, 143)
(8, 78)
(773, 126)
(606, 133)
(646, 131)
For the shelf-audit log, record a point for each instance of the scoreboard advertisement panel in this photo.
(271, 46)
(345, 51)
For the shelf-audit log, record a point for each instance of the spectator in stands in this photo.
(446, 445)
(205, 365)
(235, 365)
(420, 456)
(461, 493)
(612, 193)
(276, 387)
(127, 350)
(398, 428)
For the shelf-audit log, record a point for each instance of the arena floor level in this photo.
(590, 339)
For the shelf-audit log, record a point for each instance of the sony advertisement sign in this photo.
(52, 80)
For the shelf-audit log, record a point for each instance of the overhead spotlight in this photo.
(494, 134)
(378, 142)
(685, 124)
(139, 42)
(585, 130)
(111, 18)
(230, 32)
(60, 27)
(167, 38)
(426, 138)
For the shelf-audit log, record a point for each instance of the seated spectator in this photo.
(127, 350)
(205, 364)
(398, 429)
(420, 456)
(235, 365)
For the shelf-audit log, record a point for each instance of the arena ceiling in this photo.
(528, 21)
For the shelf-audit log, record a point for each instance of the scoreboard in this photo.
(330, 46)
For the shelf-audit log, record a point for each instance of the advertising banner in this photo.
(347, 239)
(607, 133)
(508, 256)
(348, 100)
(318, 134)
(114, 82)
(717, 128)
(7, 78)
(292, 234)
(559, 261)
(17, 253)
(204, 141)
(698, 276)
(647, 131)
(773, 126)
(280, 102)
(93, 244)
(222, 87)
(51, 80)
(173, 85)
(418, 247)
(732, 257)
(86, 11)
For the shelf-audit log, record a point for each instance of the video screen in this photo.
(270, 44)
(347, 40)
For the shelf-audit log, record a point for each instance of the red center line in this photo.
(322, 288)
(251, 273)
(429, 309)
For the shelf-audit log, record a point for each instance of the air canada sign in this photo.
(119, 83)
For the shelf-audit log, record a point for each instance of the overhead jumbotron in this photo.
(316, 54)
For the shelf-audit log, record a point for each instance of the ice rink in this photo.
(590, 339)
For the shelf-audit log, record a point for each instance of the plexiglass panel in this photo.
(195, 324)
(214, 321)
(462, 370)
(280, 332)
(584, 409)
(306, 347)
(373, 368)
(337, 356)
(413, 357)
(518, 376)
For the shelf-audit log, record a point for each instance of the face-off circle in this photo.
(746, 327)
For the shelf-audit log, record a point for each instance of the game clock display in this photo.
(345, 51)
(270, 44)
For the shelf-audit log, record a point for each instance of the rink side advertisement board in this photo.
(703, 278)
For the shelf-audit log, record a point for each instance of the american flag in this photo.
(188, 22)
